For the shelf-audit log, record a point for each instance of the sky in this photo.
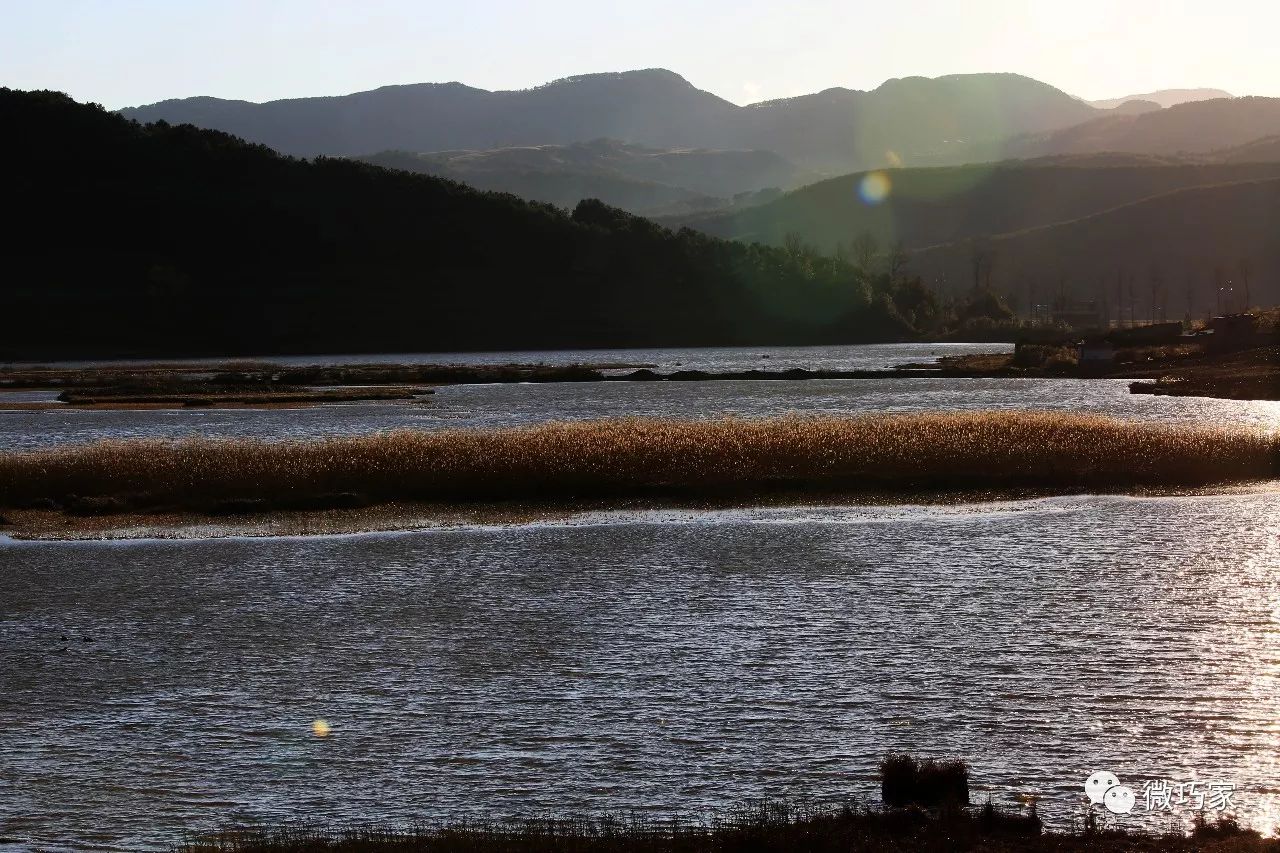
(130, 52)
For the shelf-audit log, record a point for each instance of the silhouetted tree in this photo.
(865, 251)
(1246, 269)
(982, 257)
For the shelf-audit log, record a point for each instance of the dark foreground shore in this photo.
(762, 828)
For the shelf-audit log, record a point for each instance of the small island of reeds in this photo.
(626, 461)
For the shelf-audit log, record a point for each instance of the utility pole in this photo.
(1156, 277)
(1245, 269)
(1120, 298)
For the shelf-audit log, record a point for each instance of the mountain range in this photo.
(642, 180)
(1190, 128)
(652, 143)
(1164, 98)
(836, 130)
(1045, 187)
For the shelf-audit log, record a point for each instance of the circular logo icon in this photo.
(1096, 786)
(1119, 800)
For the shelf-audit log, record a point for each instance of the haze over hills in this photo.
(837, 130)
(635, 178)
(1265, 150)
(1134, 108)
(932, 206)
(1196, 127)
(1164, 98)
(1184, 244)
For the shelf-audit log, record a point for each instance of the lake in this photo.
(521, 404)
(661, 662)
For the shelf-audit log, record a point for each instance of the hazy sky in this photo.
(128, 52)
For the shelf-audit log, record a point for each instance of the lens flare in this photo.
(320, 728)
(874, 187)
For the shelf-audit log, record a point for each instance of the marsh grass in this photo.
(761, 826)
(765, 827)
(906, 780)
(645, 458)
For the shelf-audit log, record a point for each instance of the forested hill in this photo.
(133, 240)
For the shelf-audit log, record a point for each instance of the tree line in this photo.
(145, 240)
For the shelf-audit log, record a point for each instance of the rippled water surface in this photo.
(660, 662)
(513, 405)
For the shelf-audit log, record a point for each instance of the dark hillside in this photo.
(926, 207)
(150, 240)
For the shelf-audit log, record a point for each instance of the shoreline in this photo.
(51, 525)
(1252, 374)
(920, 819)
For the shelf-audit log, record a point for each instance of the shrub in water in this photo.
(905, 780)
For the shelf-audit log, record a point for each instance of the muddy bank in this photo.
(1249, 375)
(252, 385)
(53, 524)
(1184, 371)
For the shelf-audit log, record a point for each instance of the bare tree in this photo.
(793, 244)
(865, 249)
(977, 260)
(1120, 297)
(898, 258)
(981, 259)
(1246, 268)
(1155, 278)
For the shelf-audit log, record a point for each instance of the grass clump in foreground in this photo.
(627, 459)
(905, 780)
(765, 827)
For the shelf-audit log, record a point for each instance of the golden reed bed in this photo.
(628, 458)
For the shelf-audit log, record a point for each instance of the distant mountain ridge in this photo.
(1165, 98)
(1194, 127)
(837, 130)
(638, 179)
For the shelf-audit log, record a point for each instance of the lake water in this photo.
(521, 404)
(660, 662)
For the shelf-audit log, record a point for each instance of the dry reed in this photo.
(626, 458)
